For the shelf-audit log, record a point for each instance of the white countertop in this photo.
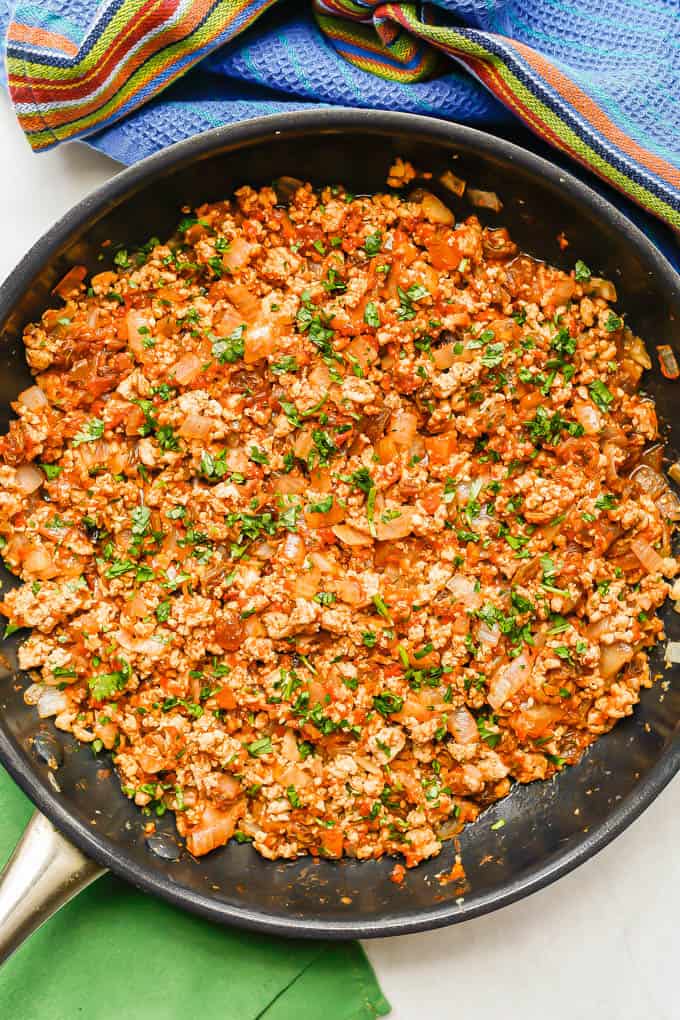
(601, 943)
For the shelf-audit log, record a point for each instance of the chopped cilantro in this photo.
(600, 395)
(259, 747)
(91, 431)
(372, 315)
(231, 348)
(373, 243)
(387, 703)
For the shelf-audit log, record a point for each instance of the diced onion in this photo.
(463, 726)
(350, 591)
(289, 746)
(668, 362)
(613, 657)
(260, 341)
(227, 787)
(246, 303)
(237, 254)
(32, 693)
(33, 398)
(451, 827)
(187, 369)
(600, 288)
(463, 590)
(673, 652)
(669, 505)
(587, 416)
(472, 778)
(294, 548)
(137, 329)
(484, 199)
(398, 527)
(195, 426)
(294, 483)
(214, 829)
(452, 183)
(52, 702)
(351, 536)
(435, 210)
(649, 480)
(29, 478)
(488, 635)
(307, 583)
(39, 564)
(325, 565)
(508, 680)
(145, 646)
(635, 348)
(647, 555)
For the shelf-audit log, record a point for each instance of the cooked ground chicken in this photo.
(334, 519)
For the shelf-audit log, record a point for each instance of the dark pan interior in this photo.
(549, 827)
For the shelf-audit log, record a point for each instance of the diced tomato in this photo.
(225, 698)
(441, 447)
(332, 843)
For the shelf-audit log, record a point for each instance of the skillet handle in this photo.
(44, 872)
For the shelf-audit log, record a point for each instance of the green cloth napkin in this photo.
(114, 954)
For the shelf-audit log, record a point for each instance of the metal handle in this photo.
(44, 872)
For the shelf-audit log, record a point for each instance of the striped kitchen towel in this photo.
(598, 81)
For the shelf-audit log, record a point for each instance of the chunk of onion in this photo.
(294, 548)
(613, 657)
(435, 210)
(137, 329)
(669, 505)
(463, 727)
(398, 527)
(289, 746)
(29, 478)
(350, 591)
(237, 254)
(39, 564)
(214, 829)
(262, 551)
(484, 199)
(145, 646)
(647, 555)
(601, 288)
(588, 417)
(649, 480)
(488, 635)
(52, 702)
(32, 693)
(673, 652)
(33, 398)
(307, 583)
(351, 536)
(508, 680)
(463, 589)
(452, 183)
(195, 426)
(187, 369)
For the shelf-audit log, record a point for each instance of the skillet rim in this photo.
(241, 135)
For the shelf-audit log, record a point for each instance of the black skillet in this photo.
(549, 827)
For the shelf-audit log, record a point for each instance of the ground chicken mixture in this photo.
(334, 517)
